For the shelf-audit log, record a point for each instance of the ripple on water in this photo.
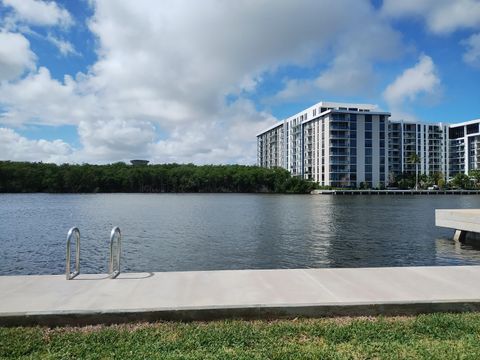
(178, 232)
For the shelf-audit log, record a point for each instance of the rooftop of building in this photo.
(315, 111)
(465, 123)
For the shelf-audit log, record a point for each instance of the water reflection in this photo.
(456, 253)
(167, 232)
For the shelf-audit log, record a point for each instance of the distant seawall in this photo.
(395, 192)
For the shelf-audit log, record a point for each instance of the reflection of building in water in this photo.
(451, 252)
(363, 235)
(292, 232)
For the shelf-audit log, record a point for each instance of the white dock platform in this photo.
(205, 295)
(458, 219)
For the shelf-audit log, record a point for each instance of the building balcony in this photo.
(339, 143)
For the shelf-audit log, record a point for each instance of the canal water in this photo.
(178, 232)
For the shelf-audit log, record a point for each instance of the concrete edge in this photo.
(246, 313)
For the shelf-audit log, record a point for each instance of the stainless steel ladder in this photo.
(114, 265)
(73, 231)
(115, 252)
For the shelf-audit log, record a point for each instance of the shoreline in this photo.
(394, 192)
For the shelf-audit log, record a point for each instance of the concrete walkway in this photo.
(89, 299)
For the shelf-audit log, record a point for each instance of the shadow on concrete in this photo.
(90, 277)
(121, 276)
(136, 276)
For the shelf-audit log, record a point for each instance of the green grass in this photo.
(436, 336)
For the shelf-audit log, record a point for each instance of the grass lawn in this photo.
(436, 336)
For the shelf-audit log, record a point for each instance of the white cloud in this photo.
(228, 138)
(165, 68)
(38, 12)
(421, 79)
(65, 47)
(294, 89)
(348, 76)
(39, 99)
(441, 16)
(15, 55)
(115, 139)
(18, 148)
(472, 55)
(355, 50)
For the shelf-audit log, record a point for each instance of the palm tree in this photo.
(415, 159)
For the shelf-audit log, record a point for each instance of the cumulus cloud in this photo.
(472, 55)
(441, 16)
(38, 12)
(165, 69)
(15, 55)
(18, 148)
(421, 79)
(229, 137)
(39, 99)
(66, 48)
(115, 139)
(356, 49)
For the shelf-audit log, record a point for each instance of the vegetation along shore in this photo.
(25, 177)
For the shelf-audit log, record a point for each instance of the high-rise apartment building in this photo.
(425, 140)
(333, 144)
(350, 145)
(464, 147)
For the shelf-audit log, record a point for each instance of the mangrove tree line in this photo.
(17, 177)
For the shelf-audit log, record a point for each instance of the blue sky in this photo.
(102, 81)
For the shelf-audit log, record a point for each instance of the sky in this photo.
(97, 81)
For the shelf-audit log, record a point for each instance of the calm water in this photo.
(169, 232)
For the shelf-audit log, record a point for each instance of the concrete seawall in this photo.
(206, 295)
(395, 192)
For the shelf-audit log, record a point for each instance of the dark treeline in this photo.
(17, 177)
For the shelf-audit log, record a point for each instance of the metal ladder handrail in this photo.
(115, 234)
(71, 232)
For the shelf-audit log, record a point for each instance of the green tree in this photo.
(415, 159)
(462, 181)
(441, 183)
(475, 174)
(120, 177)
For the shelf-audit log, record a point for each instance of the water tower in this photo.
(139, 162)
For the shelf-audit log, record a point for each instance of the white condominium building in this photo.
(464, 147)
(334, 144)
(350, 145)
(425, 140)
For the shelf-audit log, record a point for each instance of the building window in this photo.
(472, 128)
(456, 132)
